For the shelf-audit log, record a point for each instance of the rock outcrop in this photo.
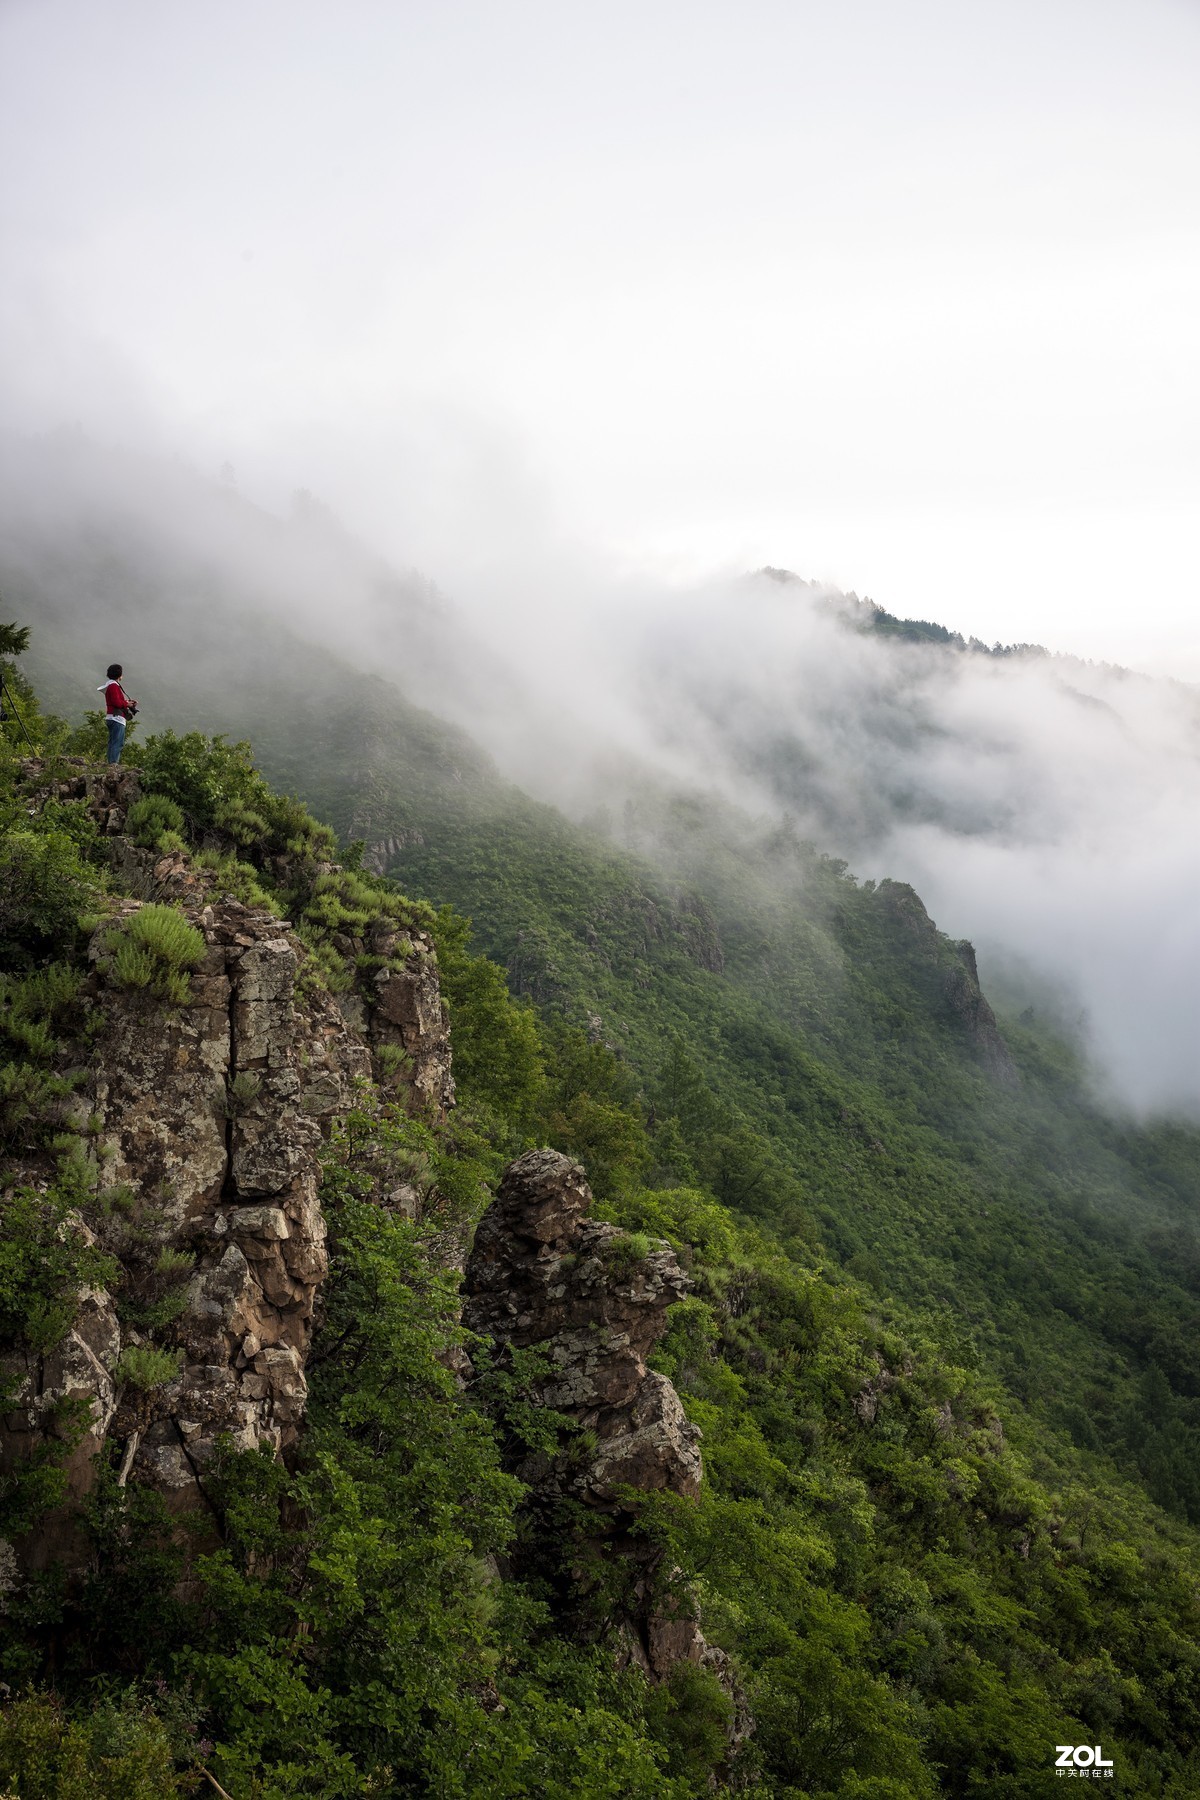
(544, 1275)
(970, 1006)
(402, 1009)
(211, 1115)
(207, 1120)
(949, 975)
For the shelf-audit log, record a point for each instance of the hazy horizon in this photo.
(1042, 806)
(576, 318)
(540, 300)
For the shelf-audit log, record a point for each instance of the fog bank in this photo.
(1044, 807)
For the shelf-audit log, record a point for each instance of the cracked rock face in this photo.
(210, 1112)
(209, 1116)
(543, 1274)
(952, 986)
(405, 1012)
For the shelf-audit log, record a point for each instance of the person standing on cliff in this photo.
(118, 709)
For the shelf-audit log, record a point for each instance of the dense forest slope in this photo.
(940, 1334)
(1034, 1229)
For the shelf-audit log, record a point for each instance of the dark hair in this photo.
(114, 671)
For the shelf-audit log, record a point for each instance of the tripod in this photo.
(6, 696)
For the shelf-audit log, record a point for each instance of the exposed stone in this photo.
(543, 1274)
(259, 1221)
(950, 976)
(210, 1115)
(969, 1004)
(405, 1010)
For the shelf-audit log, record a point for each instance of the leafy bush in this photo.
(118, 1751)
(90, 739)
(241, 1091)
(240, 879)
(31, 1104)
(691, 1714)
(221, 794)
(143, 1367)
(44, 1264)
(626, 1251)
(499, 1059)
(45, 886)
(685, 1216)
(23, 720)
(375, 1638)
(155, 822)
(32, 1097)
(392, 1061)
(33, 1005)
(73, 819)
(154, 948)
(344, 903)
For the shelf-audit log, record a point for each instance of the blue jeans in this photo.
(116, 737)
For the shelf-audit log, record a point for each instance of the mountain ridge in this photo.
(921, 1582)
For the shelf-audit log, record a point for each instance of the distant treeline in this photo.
(924, 631)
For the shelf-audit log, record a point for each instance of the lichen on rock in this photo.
(208, 1116)
(543, 1275)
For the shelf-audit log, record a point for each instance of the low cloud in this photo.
(1043, 806)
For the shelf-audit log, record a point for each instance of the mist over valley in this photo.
(599, 1047)
(1042, 805)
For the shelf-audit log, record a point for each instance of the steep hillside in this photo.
(221, 1129)
(887, 1206)
(965, 1171)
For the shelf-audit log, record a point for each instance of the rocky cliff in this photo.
(948, 976)
(204, 1118)
(593, 1301)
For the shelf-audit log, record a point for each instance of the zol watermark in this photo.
(1086, 1760)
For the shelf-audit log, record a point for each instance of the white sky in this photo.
(900, 296)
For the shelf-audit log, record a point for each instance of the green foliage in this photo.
(31, 1104)
(237, 819)
(221, 795)
(45, 1261)
(626, 1251)
(90, 739)
(241, 1092)
(849, 1459)
(154, 949)
(68, 818)
(909, 1286)
(346, 902)
(498, 1055)
(14, 639)
(691, 1715)
(143, 1367)
(120, 1750)
(373, 1641)
(688, 1218)
(30, 1011)
(239, 879)
(336, 912)
(590, 1110)
(45, 886)
(391, 1061)
(23, 722)
(323, 967)
(45, 999)
(155, 822)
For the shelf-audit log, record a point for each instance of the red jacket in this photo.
(117, 703)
